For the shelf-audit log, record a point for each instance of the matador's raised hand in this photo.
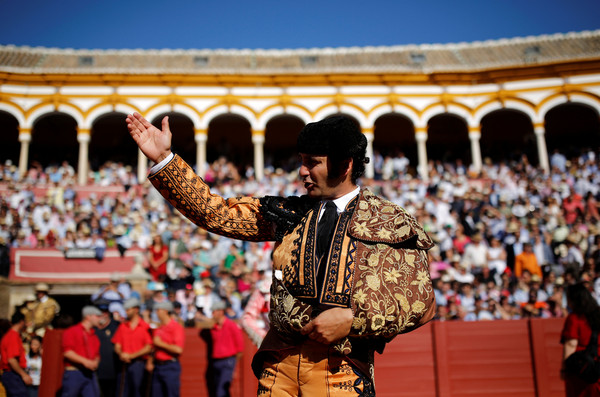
(154, 143)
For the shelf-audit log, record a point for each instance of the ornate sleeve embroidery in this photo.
(239, 218)
(394, 293)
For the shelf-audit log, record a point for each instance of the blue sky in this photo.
(200, 24)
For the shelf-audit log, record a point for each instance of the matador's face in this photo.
(314, 173)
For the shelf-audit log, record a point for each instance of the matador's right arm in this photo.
(239, 218)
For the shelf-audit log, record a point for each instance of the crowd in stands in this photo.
(508, 238)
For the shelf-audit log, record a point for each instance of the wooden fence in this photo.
(515, 358)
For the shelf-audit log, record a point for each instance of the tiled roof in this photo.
(426, 58)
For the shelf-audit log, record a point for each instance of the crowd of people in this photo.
(509, 239)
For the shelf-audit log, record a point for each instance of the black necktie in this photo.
(325, 228)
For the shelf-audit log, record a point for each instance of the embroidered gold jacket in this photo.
(377, 264)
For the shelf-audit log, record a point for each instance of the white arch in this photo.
(14, 111)
(211, 114)
(101, 111)
(346, 109)
(245, 113)
(579, 98)
(187, 111)
(396, 109)
(177, 108)
(552, 103)
(485, 110)
(299, 112)
(46, 109)
(154, 113)
(125, 108)
(449, 109)
(574, 99)
(508, 105)
(281, 111)
(225, 110)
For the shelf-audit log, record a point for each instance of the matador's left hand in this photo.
(329, 326)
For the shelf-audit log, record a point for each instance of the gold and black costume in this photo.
(377, 264)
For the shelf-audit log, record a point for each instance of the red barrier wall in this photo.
(407, 361)
(441, 359)
(50, 265)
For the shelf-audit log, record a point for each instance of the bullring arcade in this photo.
(469, 101)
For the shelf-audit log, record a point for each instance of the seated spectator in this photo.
(115, 293)
(459, 272)
(527, 260)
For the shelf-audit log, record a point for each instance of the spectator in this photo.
(4, 257)
(209, 296)
(476, 254)
(496, 257)
(255, 319)
(114, 293)
(158, 254)
(34, 364)
(527, 260)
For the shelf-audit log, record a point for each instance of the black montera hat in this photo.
(337, 137)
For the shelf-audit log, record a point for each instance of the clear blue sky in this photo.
(283, 24)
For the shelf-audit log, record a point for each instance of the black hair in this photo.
(17, 317)
(582, 302)
(340, 139)
(39, 339)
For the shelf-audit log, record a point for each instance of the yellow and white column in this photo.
(142, 168)
(475, 137)
(83, 137)
(421, 137)
(201, 136)
(369, 168)
(24, 139)
(540, 135)
(258, 139)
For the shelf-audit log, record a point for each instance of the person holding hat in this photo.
(133, 345)
(350, 268)
(168, 343)
(81, 351)
(12, 359)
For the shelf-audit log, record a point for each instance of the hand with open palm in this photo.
(154, 143)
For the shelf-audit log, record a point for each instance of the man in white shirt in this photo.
(476, 254)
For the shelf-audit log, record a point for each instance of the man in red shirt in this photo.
(12, 359)
(225, 343)
(133, 344)
(168, 345)
(81, 350)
